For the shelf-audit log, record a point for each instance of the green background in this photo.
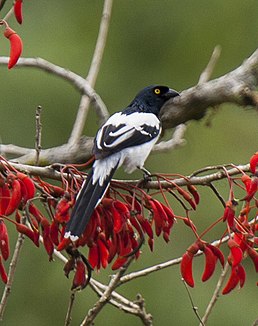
(168, 42)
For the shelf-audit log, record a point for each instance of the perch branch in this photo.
(51, 173)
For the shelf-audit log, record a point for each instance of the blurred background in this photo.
(168, 42)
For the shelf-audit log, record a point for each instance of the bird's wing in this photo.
(122, 131)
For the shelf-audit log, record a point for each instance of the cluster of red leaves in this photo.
(115, 232)
(242, 241)
(16, 44)
(16, 189)
(119, 225)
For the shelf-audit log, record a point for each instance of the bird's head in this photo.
(152, 98)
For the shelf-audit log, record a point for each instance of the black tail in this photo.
(87, 200)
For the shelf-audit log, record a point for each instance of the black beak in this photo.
(172, 93)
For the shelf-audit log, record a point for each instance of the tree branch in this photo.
(92, 75)
(12, 269)
(237, 87)
(51, 173)
(215, 295)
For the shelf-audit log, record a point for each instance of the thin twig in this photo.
(116, 299)
(177, 138)
(93, 73)
(38, 133)
(207, 72)
(195, 309)
(12, 269)
(9, 14)
(99, 305)
(215, 295)
(68, 318)
(218, 195)
(175, 141)
(169, 263)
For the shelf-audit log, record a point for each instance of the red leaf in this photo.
(147, 227)
(17, 7)
(3, 273)
(4, 240)
(187, 197)
(118, 220)
(21, 228)
(62, 210)
(136, 222)
(159, 215)
(16, 197)
(93, 256)
(252, 189)
(103, 252)
(4, 198)
(119, 262)
(193, 190)
(210, 263)
(229, 213)
(79, 280)
(54, 232)
(15, 46)
(241, 274)
(236, 254)
(187, 268)
(63, 244)
(232, 281)
(28, 187)
(253, 254)
(218, 253)
(36, 212)
(254, 163)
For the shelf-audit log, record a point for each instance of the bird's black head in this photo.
(152, 98)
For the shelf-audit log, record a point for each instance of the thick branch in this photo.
(66, 153)
(238, 87)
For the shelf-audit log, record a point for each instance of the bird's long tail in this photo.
(89, 197)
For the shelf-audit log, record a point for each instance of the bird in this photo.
(127, 139)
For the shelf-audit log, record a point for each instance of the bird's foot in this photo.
(146, 174)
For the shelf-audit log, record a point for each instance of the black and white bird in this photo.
(125, 139)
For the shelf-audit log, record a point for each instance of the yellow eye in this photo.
(157, 91)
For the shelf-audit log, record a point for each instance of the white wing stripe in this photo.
(120, 131)
(120, 139)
